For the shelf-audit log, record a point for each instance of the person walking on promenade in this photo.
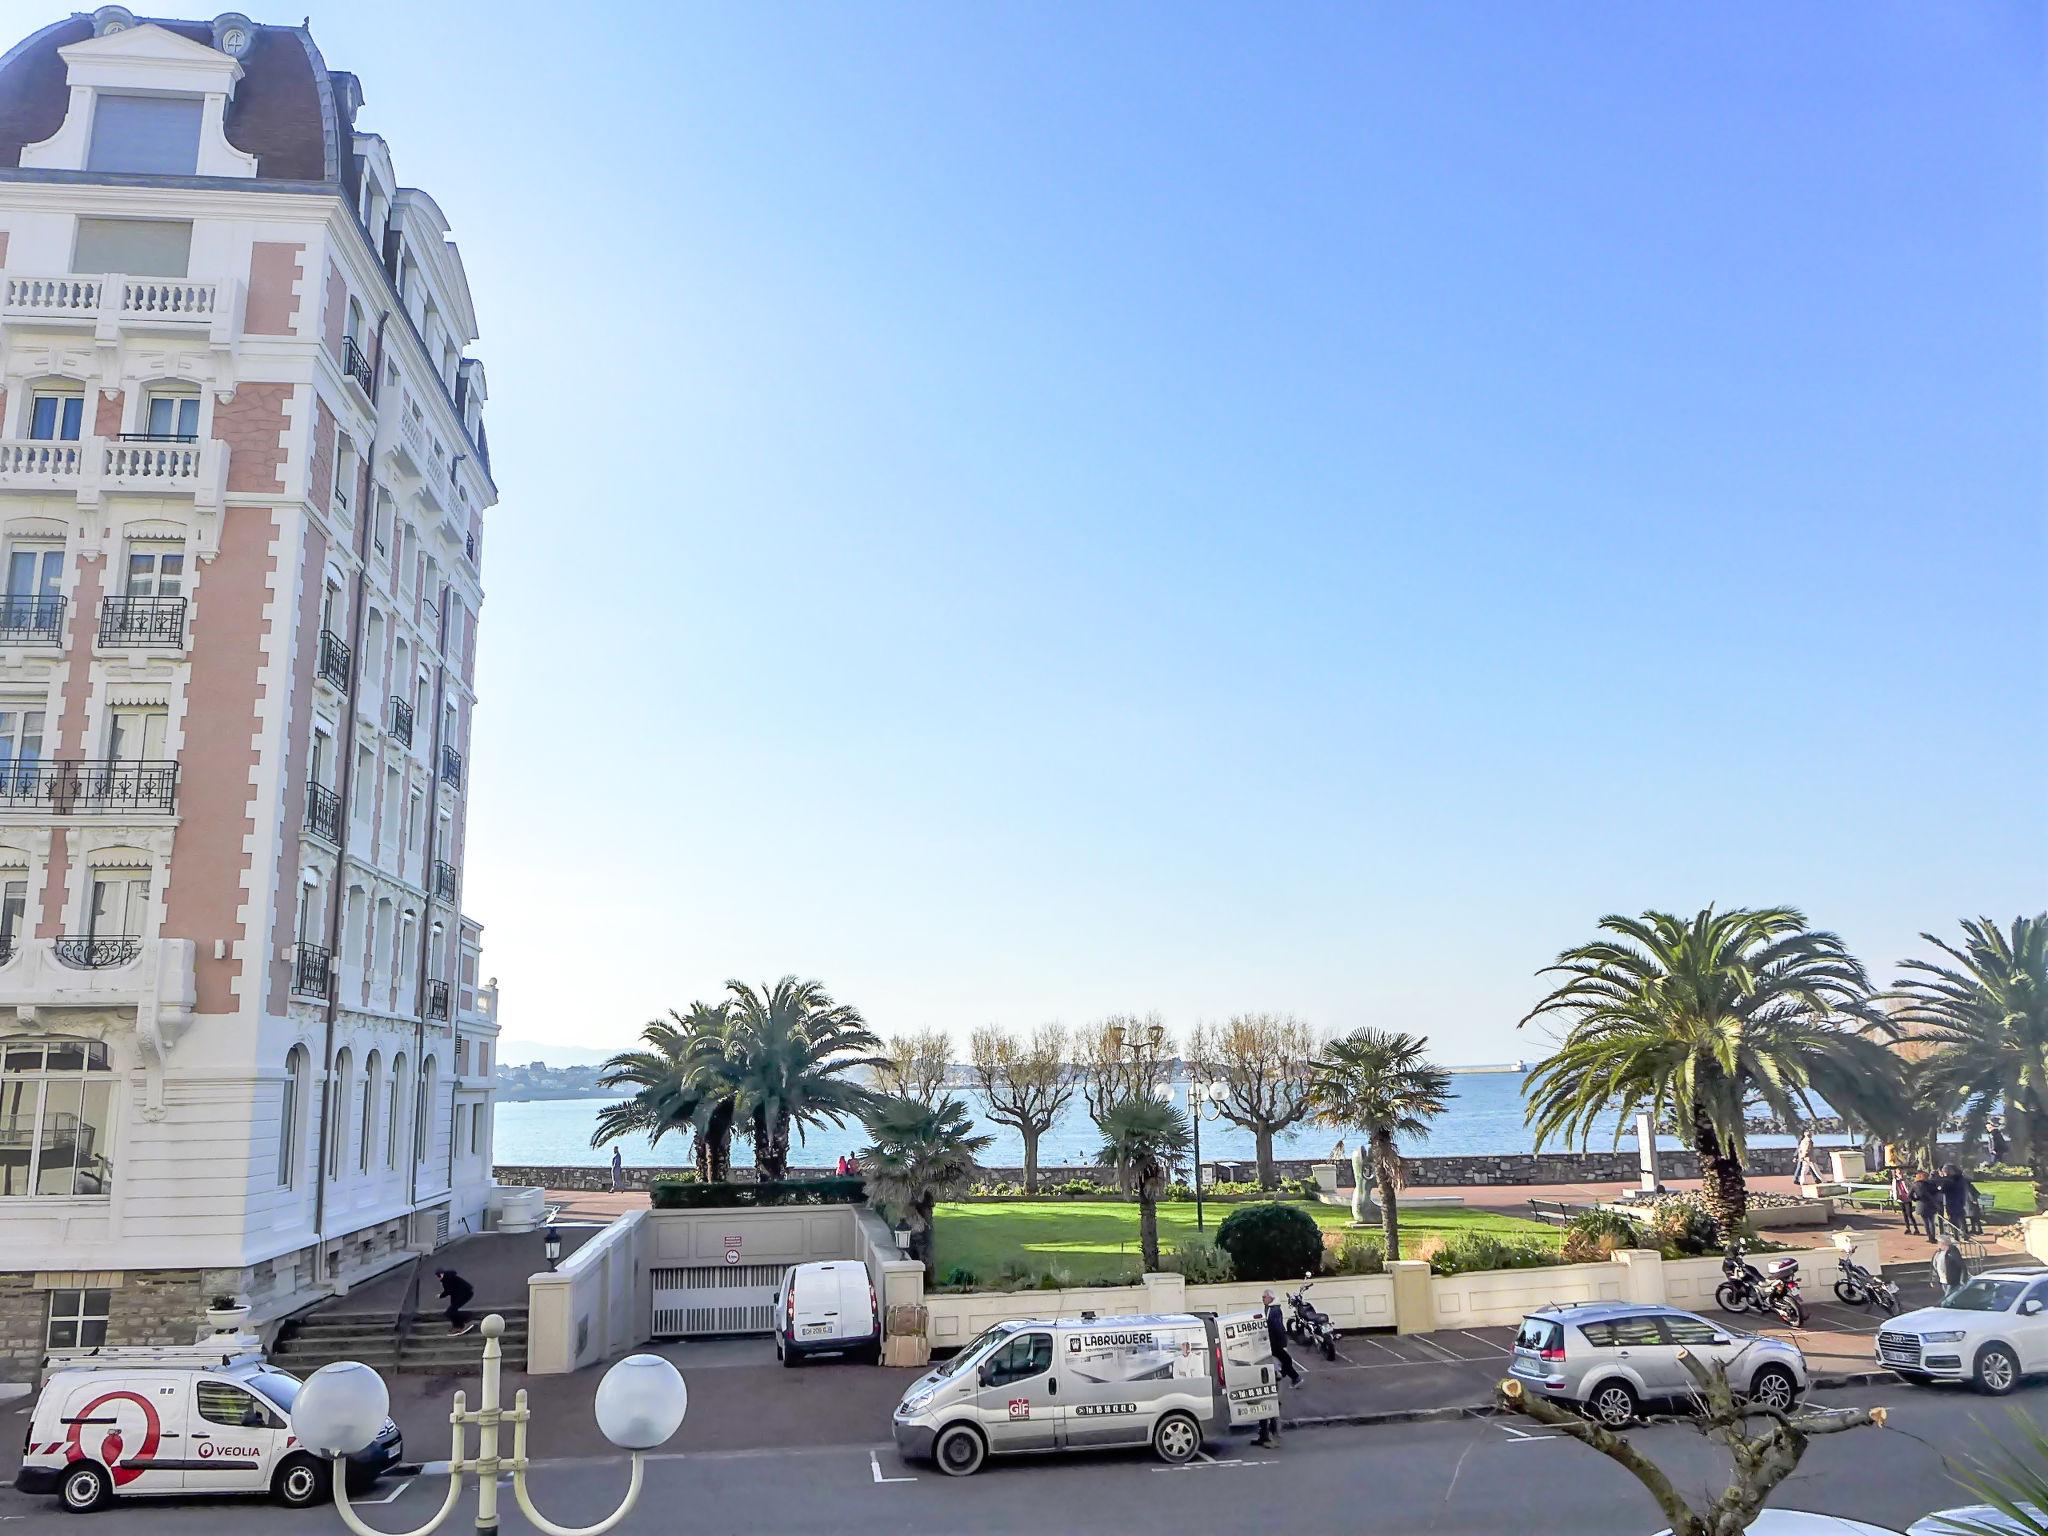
(1276, 1343)
(1803, 1169)
(456, 1291)
(1927, 1198)
(618, 1171)
(1955, 1197)
(1902, 1196)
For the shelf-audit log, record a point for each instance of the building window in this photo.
(133, 247)
(55, 417)
(120, 904)
(461, 1057)
(78, 1319)
(136, 735)
(290, 1113)
(395, 1111)
(21, 748)
(156, 135)
(13, 915)
(422, 1141)
(35, 570)
(56, 1107)
(371, 1085)
(366, 784)
(156, 570)
(173, 417)
(337, 1114)
(476, 1129)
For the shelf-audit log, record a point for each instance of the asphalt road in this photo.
(1474, 1476)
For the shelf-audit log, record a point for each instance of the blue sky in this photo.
(1023, 512)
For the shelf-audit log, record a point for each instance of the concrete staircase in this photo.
(324, 1334)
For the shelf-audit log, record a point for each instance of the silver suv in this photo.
(1612, 1357)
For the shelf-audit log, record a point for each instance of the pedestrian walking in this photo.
(1276, 1343)
(1974, 1200)
(1998, 1138)
(1803, 1169)
(456, 1291)
(1955, 1197)
(1927, 1200)
(1902, 1197)
(618, 1171)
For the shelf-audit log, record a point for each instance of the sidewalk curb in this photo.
(1488, 1410)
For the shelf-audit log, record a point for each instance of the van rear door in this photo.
(817, 1303)
(1251, 1383)
(856, 1301)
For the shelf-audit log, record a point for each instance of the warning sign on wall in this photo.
(732, 1250)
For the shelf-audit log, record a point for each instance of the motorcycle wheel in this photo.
(1850, 1293)
(1887, 1297)
(1730, 1297)
(1329, 1346)
(1790, 1310)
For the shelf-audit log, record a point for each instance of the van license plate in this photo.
(814, 1328)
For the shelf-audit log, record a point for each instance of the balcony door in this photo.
(21, 749)
(35, 570)
(137, 735)
(173, 418)
(56, 418)
(13, 915)
(156, 570)
(120, 904)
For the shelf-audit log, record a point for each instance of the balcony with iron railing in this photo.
(94, 951)
(89, 786)
(323, 813)
(401, 721)
(451, 767)
(437, 999)
(356, 366)
(444, 880)
(312, 969)
(31, 620)
(111, 302)
(128, 621)
(144, 463)
(335, 659)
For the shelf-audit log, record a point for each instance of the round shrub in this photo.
(1271, 1241)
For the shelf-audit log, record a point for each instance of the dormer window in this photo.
(154, 135)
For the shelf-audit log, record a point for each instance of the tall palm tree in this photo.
(1142, 1139)
(1691, 1020)
(1379, 1082)
(671, 1094)
(784, 1060)
(921, 1154)
(1987, 1018)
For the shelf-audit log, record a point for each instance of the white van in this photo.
(1086, 1383)
(825, 1308)
(137, 1429)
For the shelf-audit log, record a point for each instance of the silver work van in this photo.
(1086, 1383)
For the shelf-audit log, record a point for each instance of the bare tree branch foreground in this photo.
(1761, 1460)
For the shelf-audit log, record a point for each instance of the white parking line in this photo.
(389, 1498)
(875, 1463)
(1421, 1343)
(1489, 1343)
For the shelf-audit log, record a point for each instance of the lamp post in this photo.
(342, 1407)
(551, 1246)
(1205, 1102)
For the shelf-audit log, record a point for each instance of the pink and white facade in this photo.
(245, 1046)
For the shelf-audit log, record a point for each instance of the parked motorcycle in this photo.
(1772, 1291)
(1308, 1325)
(1858, 1287)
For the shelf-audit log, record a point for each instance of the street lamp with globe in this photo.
(342, 1407)
(1205, 1102)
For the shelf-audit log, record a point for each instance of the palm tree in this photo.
(784, 1061)
(1141, 1140)
(1693, 1020)
(1987, 1018)
(921, 1154)
(1380, 1082)
(671, 1094)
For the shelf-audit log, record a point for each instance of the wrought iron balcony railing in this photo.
(401, 721)
(31, 620)
(128, 620)
(91, 786)
(95, 952)
(354, 364)
(335, 659)
(323, 813)
(437, 999)
(444, 880)
(451, 766)
(311, 967)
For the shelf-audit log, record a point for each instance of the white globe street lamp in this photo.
(341, 1408)
(1205, 1102)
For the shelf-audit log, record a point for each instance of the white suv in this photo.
(1991, 1331)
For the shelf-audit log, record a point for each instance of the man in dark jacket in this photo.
(1927, 1196)
(1276, 1343)
(1955, 1197)
(456, 1291)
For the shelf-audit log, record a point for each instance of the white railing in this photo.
(37, 459)
(153, 462)
(114, 300)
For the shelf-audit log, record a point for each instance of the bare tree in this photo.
(1025, 1083)
(1762, 1460)
(1262, 1060)
(916, 1067)
(1123, 1057)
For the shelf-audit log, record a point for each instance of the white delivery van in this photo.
(132, 1429)
(826, 1308)
(1086, 1383)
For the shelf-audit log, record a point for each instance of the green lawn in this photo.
(1096, 1239)
(2004, 1199)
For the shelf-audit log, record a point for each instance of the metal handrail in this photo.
(130, 619)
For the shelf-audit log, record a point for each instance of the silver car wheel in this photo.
(1178, 1439)
(1774, 1389)
(1995, 1371)
(1613, 1405)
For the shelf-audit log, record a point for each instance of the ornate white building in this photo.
(244, 1043)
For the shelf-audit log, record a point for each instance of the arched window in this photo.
(371, 1085)
(395, 1113)
(337, 1114)
(291, 1115)
(422, 1142)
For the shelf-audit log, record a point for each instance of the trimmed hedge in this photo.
(675, 1192)
(1271, 1241)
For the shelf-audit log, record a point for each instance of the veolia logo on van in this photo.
(208, 1450)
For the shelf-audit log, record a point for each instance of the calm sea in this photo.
(1485, 1117)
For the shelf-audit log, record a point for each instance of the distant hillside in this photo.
(516, 1052)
